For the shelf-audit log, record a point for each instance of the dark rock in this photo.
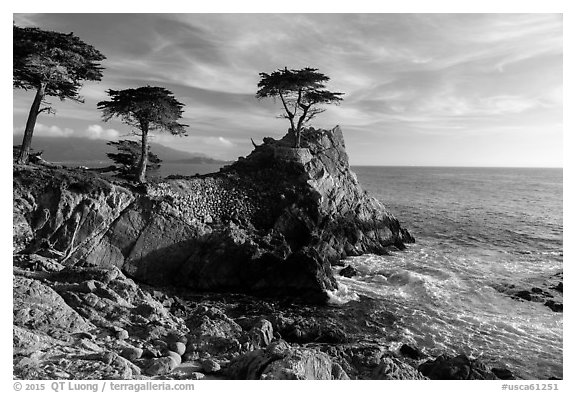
(524, 295)
(457, 367)
(348, 271)
(548, 291)
(411, 352)
(554, 306)
(502, 373)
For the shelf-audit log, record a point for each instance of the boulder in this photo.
(502, 373)
(161, 366)
(178, 347)
(392, 368)
(261, 334)
(212, 332)
(131, 353)
(210, 366)
(349, 271)
(457, 367)
(176, 357)
(411, 352)
(554, 306)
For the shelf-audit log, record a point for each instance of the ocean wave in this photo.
(342, 295)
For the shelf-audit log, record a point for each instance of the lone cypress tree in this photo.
(301, 91)
(145, 109)
(54, 64)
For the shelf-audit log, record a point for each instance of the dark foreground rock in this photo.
(349, 271)
(411, 352)
(271, 223)
(457, 367)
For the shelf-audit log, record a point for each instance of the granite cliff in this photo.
(272, 223)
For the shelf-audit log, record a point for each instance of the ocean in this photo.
(475, 228)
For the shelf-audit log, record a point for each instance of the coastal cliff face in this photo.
(272, 223)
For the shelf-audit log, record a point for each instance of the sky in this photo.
(420, 89)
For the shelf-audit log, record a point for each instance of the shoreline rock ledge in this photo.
(272, 223)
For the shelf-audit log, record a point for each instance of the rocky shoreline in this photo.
(95, 323)
(221, 276)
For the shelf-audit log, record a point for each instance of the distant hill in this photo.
(73, 149)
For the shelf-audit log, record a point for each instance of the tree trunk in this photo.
(300, 124)
(298, 138)
(30, 124)
(141, 176)
(289, 114)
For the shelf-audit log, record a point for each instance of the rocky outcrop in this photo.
(84, 323)
(272, 223)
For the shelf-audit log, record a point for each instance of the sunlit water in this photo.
(474, 228)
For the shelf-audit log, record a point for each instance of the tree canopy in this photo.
(145, 109)
(300, 91)
(153, 108)
(54, 64)
(61, 61)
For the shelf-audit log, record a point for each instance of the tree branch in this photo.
(47, 109)
(290, 114)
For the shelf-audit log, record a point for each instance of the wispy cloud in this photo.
(94, 131)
